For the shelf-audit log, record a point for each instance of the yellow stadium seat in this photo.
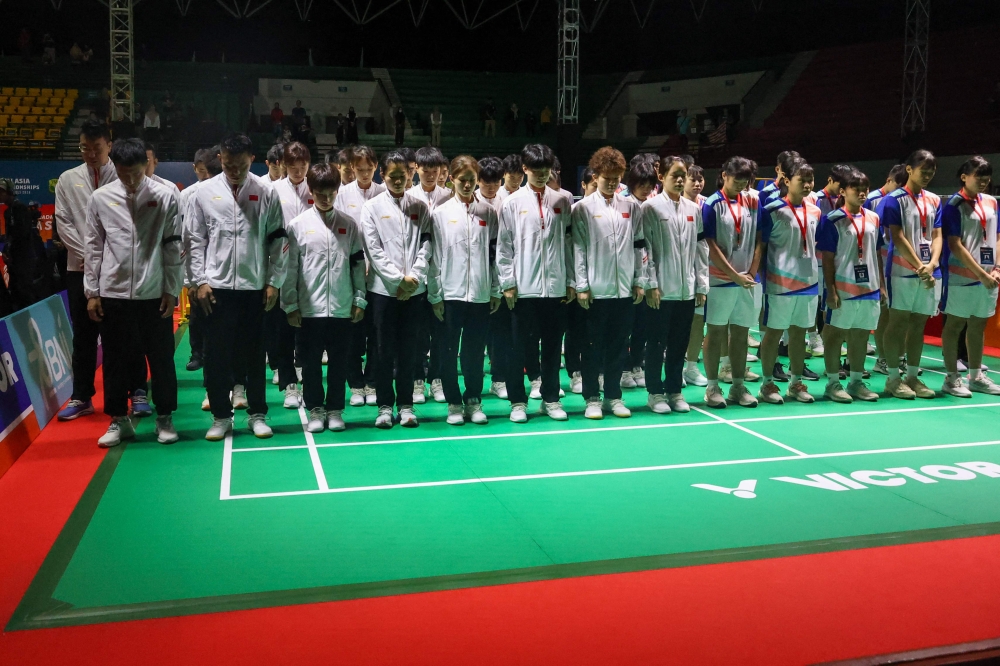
(47, 92)
(60, 120)
(41, 100)
(68, 103)
(44, 120)
(14, 101)
(51, 110)
(31, 120)
(38, 135)
(4, 120)
(37, 110)
(24, 110)
(59, 92)
(35, 91)
(17, 120)
(4, 100)
(6, 91)
(20, 92)
(9, 109)
(28, 100)
(54, 133)
(73, 92)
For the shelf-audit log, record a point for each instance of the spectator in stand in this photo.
(298, 112)
(683, 122)
(512, 119)
(546, 118)
(88, 53)
(341, 129)
(352, 126)
(490, 118)
(277, 119)
(24, 44)
(19, 250)
(436, 127)
(529, 123)
(48, 49)
(151, 124)
(75, 54)
(400, 120)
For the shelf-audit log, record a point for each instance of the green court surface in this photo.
(200, 526)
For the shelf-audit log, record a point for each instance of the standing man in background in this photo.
(21, 230)
(73, 192)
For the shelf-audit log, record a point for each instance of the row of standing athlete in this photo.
(607, 253)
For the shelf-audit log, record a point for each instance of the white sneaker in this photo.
(357, 397)
(619, 409)
(726, 374)
(220, 428)
(317, 420)
(536, 389)
(384, 418)
(407, 418)
(678, 403)
(627, 381)
(657, 403)
(770, 393)
(594, 409)
(962, 367)
(371, 398)
(519, 412)
(326, 358)
(751, 376)
(419, 396)
(881, 367)
(751, 358)
(474, 412)
(555, 411)
(206, 406)
(456, 415)
(293, 397)
(740, 395)
(274, 377)
(860, 391)
(714, 397)
(639, 377)
(164, 429)
(693, 377)
(983, 384)
(239, 397)
(499, 389)
(752, 342)
(576, 383)
(956, 387)
(870, 349)
(335, 420)
(437, 391)
(835, 391)
(119, 429)
(799, 392)
(815, 344)
(258, 426)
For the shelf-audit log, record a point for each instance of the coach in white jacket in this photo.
(133, 274)
(463, 288)
(238, 254)
(73, 192)
(535, 263)
(323, 293)
(397, 230)
(608, 249)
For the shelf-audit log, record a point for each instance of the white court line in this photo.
(576, 431)
(749, 431)
(601, 472)
(227, 467)
(313, 453)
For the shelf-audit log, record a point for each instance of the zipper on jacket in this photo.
(131, 286)
(541, 222)
(468, 254)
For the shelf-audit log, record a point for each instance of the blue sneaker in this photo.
(75, 409)
(140, 404)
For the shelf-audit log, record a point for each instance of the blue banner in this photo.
(14, 394)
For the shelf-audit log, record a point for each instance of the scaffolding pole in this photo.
(914, 116)
(122, 69)
(569, 62)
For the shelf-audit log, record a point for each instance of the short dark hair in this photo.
(237, 143)
(393, 157)
(203, 155)
(797, 167)
(695, 172)
(898, 175)
(464, 163)
(738, 167)
(688, 161)
(149, 148)
(975, 166)
(214, 164)
(322, 176)
(128, 152)
(490, 169)
(95, 129)
(839, 173)
(296, 151)
(275, 152)
(641, 173)
(588, 175)
(362, 152)
(668, 161)
(407, 154)
(512, 164)
(429, 156)
(786, 157)
(537, 156)
(919, 158)
(854, 178)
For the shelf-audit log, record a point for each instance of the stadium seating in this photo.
(33, 119)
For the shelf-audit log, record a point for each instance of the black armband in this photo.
(275, 235)
(356, 257)
(639, 244)
(701, 236)
(172, 239)
(424, 238)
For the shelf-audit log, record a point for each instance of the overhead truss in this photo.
(568, 100)
(914, 116)
(122, 69)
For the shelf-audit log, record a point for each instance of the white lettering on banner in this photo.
(55, 357)
(891, 477)
(7, 375)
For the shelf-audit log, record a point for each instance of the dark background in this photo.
(728, 30)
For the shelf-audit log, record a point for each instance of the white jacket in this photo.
(397, 242)
(295, 199)
(463, 266)
(534, 248)
(326, 265)
(351, 198)
(608, 246)
(167, 183)
(672, 231)
(133, 243)
(184, 211)
(73, 191)
(494, 203)
(434, 198)
(237, 241)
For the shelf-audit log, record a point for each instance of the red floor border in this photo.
(793, 610)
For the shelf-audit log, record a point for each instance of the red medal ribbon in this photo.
(803, 224)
